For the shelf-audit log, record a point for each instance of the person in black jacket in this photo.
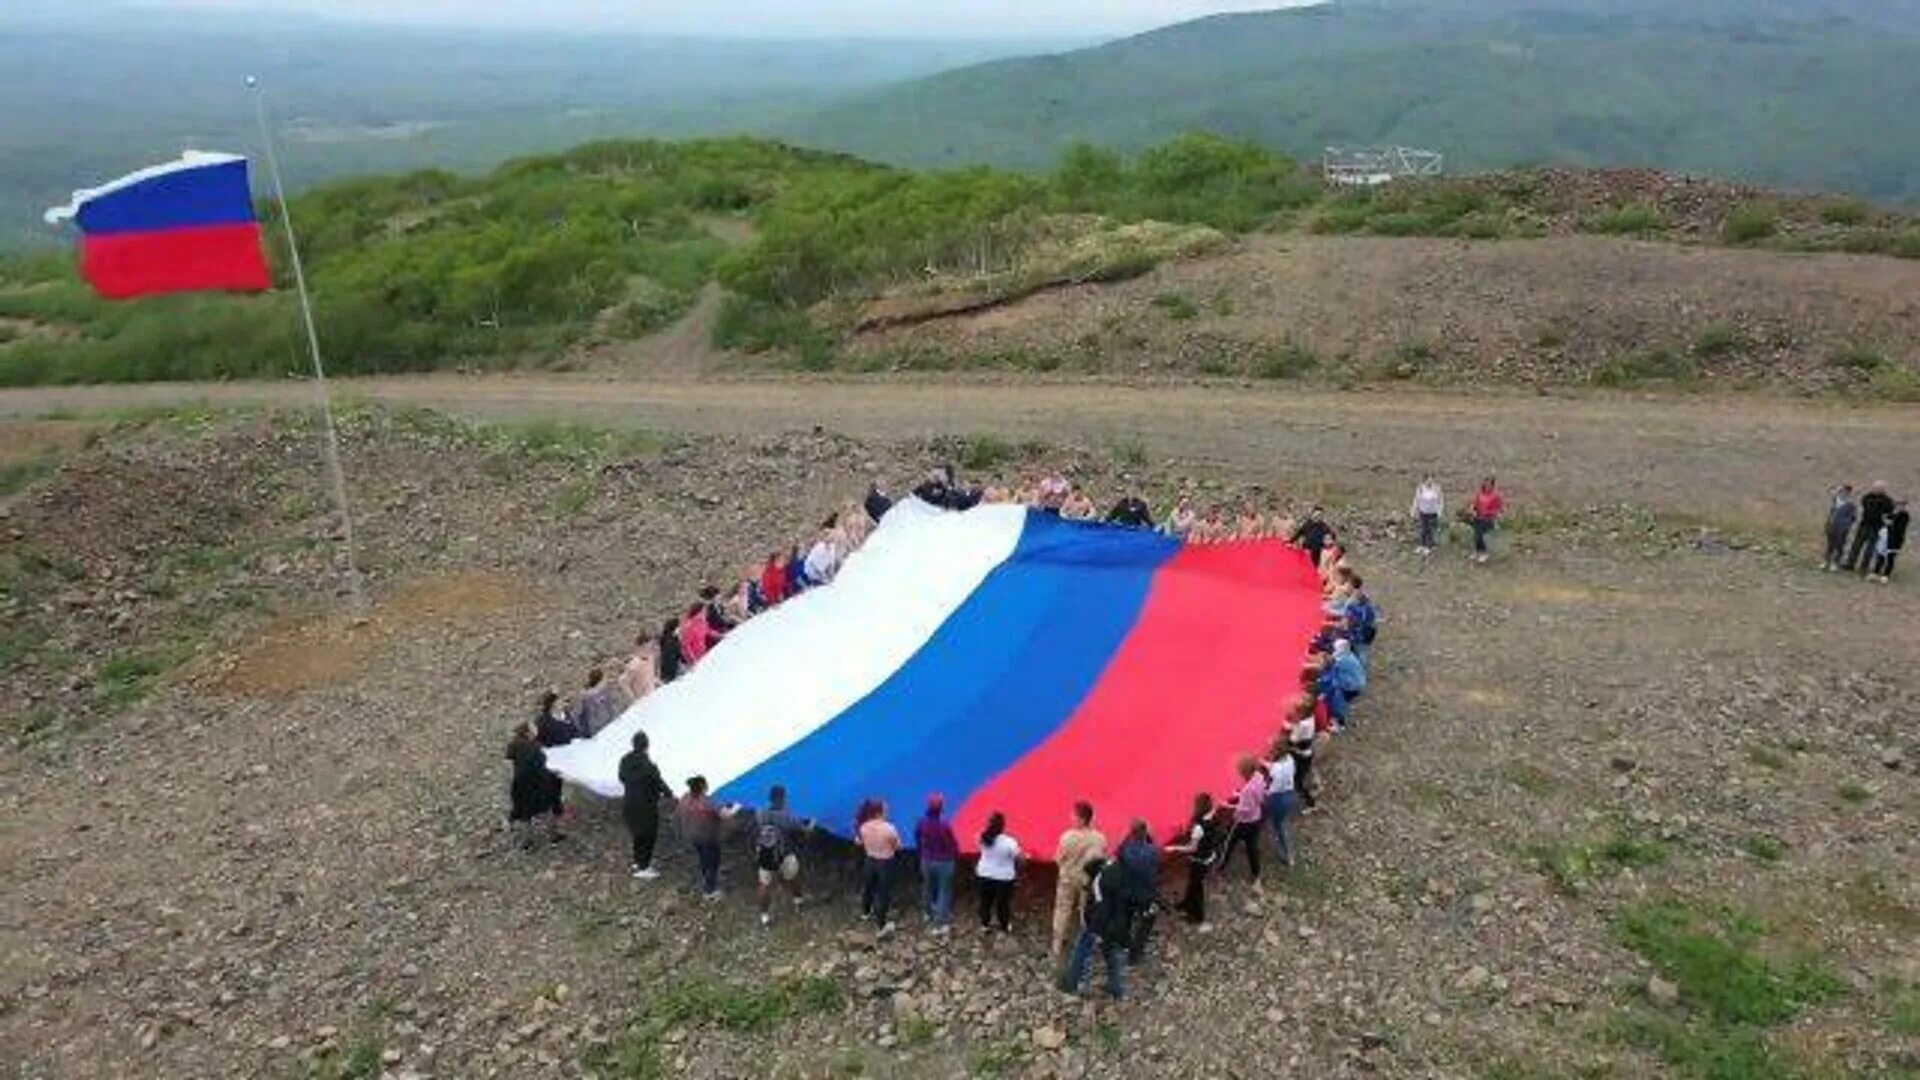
(534, 791)
(643, 787)
(1896, 530)
(1131, 511)
(1108, 927)
(1875, 506)
(877, 503)
(671, 661)
(1312, 533)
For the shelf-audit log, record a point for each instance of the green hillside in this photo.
(1816, 95)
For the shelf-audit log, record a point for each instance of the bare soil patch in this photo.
(281, 878)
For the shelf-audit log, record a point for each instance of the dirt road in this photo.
(1752, 463)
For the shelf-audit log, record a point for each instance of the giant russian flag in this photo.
(1004, 657)
(184, 226)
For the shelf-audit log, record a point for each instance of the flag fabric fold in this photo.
(183, 226)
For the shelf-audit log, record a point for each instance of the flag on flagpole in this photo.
(184, 226)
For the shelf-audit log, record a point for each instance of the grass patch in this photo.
(1636, 219)
(1766, 757)
(1857, 358)
(1894, 383)
(1717, 340)
(697, 1001)
(1903, 1009)
(574, 496)
(1656, 365)
(1853, 791)
(16, 475)
(1754, 221)
(560, 440)
(985, 452)
(1529, 777)
(999, 1059)
(1289, 360)
(128, 677)
(358, 1060)
(1131, 452)
(917, 1031)
(1713, 961)
(1845, 212)
(1574, 867)
(1764, 848)
(1870, 897)
(1177, 307)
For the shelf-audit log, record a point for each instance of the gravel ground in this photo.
(284, 857)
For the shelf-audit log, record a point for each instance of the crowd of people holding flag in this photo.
(1106, 898)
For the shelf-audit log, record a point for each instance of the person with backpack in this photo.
(1363, 618)
(1200, 843)
(776, 851)
(1108, 927)
(939, 853)
(1079, 845)
(642, 790)
(1488, 506)
(996, 871)
(1841, 514)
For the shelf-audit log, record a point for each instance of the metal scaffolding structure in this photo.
(1371, 166)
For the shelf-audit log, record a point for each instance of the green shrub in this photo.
(1177, 307)
(1638, 219)
(1716, 968)
(985, 452)
(1751, 222)
(1845, 212)
(1658, 365)
(1894, 382)
(1286, 361)
(1857, 358)
(1718, 340)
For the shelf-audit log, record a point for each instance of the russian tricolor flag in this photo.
(1003, 657)
(184, 226)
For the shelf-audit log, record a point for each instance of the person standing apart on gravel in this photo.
(598, 707)
(1893, 536)
(879, 848)
(700, 823)
(534, 792)
(1875, 506)
(776, 851)
(642, 790)
(1249, 807)
(1200, 844)
(939, 852)
(997, 869)
(1488, 506)
(1841, 514)
(1429, 505)
(1078, 846)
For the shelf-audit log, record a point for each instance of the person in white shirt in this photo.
(823, 559)
(1428, 505)
(999, 864)
(1281, 798)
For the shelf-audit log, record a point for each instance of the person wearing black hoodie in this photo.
(643, 787)
(534, 792)
(1108, 928)
(1875, 506)
(877, 503)
(671, 661)
(1131, 511)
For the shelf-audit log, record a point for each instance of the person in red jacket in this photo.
(1488, 505)
(773, 580)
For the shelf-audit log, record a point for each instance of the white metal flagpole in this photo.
(336, 475)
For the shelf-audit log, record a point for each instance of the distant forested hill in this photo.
(91, 96)
(1792, 93)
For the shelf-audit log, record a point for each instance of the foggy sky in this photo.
(761, 18)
